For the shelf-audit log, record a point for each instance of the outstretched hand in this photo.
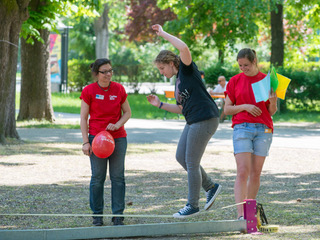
(153, 100)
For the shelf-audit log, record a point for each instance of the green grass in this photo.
(297, 116)
(67, 103)
(141, 109)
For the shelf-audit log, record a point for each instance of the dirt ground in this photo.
(57, 164)
(295, 173)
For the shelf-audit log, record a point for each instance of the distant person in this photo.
(219, 90)
(252, 126)
(201, 114)
(107, 104)
(202, 77)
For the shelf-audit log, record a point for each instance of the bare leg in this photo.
(243, 161)
(254, 178)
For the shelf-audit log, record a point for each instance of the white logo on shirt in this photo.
(112, 97)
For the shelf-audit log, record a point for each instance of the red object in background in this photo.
(103, 144)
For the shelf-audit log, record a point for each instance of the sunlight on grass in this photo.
(142, 109)
(47, 124)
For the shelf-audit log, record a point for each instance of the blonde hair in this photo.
(166, 57)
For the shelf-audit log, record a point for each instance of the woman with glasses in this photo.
(107, 104)
(201, 114)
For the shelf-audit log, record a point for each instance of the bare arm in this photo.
(231, 109)
(155, 101)
(126, 114)
(185, 54)
(272, 108)
(84, 114)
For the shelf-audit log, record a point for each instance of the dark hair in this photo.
(202, 72)
(247, 53)
(97, 64)
(166, 57)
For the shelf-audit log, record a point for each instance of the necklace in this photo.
(106, 90)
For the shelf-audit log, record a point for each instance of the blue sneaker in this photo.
(187, 211)
(212, 195)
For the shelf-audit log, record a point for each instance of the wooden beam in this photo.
(138, 230)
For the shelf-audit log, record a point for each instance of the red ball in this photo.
(103, 144)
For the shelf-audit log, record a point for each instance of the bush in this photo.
(213, 72)
(79, 74)
(303, 89)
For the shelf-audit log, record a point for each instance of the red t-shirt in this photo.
(240, 92)
(104, 107)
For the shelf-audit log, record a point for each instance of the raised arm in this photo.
(185, 54)
(272, 107)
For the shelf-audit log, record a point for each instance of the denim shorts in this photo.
(255, 138)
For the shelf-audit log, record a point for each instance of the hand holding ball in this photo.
(103, 144)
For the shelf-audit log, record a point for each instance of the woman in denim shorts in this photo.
(252, 126)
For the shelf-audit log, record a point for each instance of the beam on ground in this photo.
(138, 230)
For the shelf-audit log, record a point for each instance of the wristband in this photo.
(161, 104)
(85, 143)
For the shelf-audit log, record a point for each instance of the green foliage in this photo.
(42, 16)
(45, 15)
(79, 74)
(216, 23)
(81, 38)
(263, 67)
(214, 71)
(134, 64)
(304, 88)
(301, 23)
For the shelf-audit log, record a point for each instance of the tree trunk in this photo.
(277, 37)
(221, 56)
(35, 99)
(102, 33)
(12, 14)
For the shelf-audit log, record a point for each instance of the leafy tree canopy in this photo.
(46, 15)
(216, 22)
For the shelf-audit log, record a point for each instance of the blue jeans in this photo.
(191, 146)
(117, 178)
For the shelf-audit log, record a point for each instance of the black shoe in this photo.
(212, 195)
(97, 221)
(117, 221)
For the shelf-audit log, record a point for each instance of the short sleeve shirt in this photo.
(104, 107)
(220, 89)
(239, 90)
(191, 93)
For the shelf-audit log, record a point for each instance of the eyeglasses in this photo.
(106, 72)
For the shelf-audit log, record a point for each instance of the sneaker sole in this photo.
(210, 203)
(176, 215)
